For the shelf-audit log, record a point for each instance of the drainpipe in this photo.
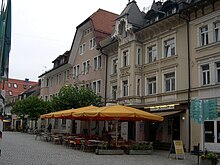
(189, 78)
(106, 71)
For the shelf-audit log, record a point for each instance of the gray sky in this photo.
(44, 29)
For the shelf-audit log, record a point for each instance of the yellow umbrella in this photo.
(116, 112)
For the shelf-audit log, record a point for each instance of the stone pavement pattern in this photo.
(23, 149)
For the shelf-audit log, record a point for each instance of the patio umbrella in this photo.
(116, 112)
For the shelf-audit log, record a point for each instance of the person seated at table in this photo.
(107, 136)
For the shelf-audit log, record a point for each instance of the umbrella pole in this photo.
(116, 132)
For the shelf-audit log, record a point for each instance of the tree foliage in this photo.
(31, 107)
(74, 97)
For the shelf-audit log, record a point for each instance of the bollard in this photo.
(198, 152)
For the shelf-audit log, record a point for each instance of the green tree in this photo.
(31, 107)
(74, 97)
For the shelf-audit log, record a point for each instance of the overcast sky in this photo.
(44, 29)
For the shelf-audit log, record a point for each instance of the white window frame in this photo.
(138, 86)
(217, 31)
(125, 58)
(114, 92)
(85, 65)
(151, 85)
(205, 75)
(114, 65)
(82, 48)
(168, 45)
(96, 86)
(125, 88)
(92, 43)
(139, 56)
(217, 64)
(97, 62)
(170, 80)
(151, 53)
(204, 35)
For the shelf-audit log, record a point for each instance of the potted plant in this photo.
(209, 158)
(140, 149)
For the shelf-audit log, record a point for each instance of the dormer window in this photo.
(121, 28)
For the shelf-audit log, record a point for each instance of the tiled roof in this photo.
(103, 23)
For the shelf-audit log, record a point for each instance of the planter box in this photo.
(139, 152)
(206, 162)
(109, 152)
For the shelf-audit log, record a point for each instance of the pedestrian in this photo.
(49, 128)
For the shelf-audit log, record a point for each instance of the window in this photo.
(170, 82)
(205, 75)
(217, 31)
(169, 47)
(204, 40)
(125, 58)
(96, 85)
(152, 54)
(63, 123)
(82, 48)
(114, 65)
(151, 82)
(218, 72)
(87, 31)
(75, 71)
(125, 87)
(24, 86)
(9, 84)
(139, 56)
(138, 87)
(114, 92)
(10, 93)
(86, 67)
(15, 85)
(55, 123)
(47, 82)
(97, 63)
(92, 43)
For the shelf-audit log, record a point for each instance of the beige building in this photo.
(205, 67)
(83, 65)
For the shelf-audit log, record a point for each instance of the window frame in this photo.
(171, 79)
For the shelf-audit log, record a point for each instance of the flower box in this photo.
(139, 152)
(109, 152)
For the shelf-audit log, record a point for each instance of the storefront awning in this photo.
(166, 113)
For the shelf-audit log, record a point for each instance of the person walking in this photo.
(49, 128)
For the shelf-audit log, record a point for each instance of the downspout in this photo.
(189, 79)
(106, 71)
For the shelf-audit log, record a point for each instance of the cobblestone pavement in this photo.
(23, 149)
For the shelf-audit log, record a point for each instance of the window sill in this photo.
(208, 46)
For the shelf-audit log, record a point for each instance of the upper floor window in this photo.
(9, 84)
(125, 87)
(122, 27)
(75, 71)
(152, 53)
(114, 65)
(114, 92)
(15, 85)
(138, 85)
(139, 55)
(82, 48)
(217, 31)
(25, 86)
(204, 39)
(87, 31)
(97, 63)
(169, 47)
(92, 43)
(218, 72)
(97, 86)
(47, 82)
(125, 58)
(86, 67)
(205, 74)
(170, 82)
(151, 83)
